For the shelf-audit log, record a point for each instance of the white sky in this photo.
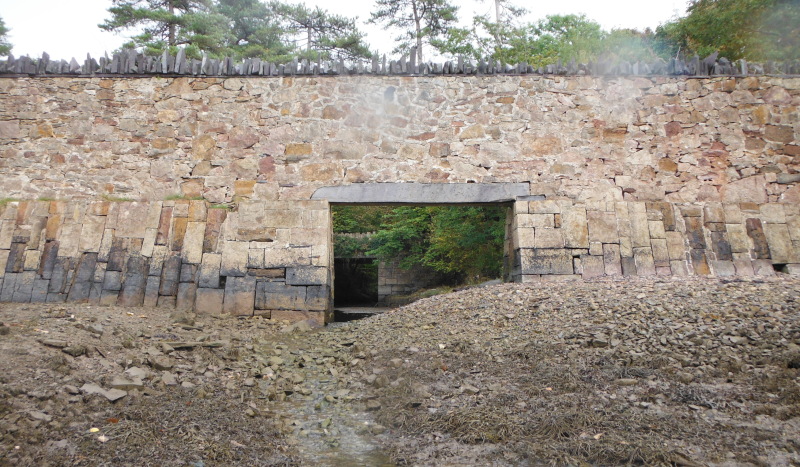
(68, 28)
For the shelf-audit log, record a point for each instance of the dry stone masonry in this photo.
(112, 186)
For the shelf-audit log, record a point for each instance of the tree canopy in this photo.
(5, 46)
(421, 21)
(750, 29)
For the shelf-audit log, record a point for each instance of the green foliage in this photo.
(5, 46)
(462, 242)
(325, 35)
(421, 22)
(749, 29)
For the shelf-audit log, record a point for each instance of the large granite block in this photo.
(279, 296)
(84, 276)
(307, 276)
(234, 258)
(133, 286)
(170, 276)
(209, 301)
(535, 261)
(239, 296)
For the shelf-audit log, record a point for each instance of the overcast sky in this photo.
(68, 28)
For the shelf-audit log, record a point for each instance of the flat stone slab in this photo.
(423, 193)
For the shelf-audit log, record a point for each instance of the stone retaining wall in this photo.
(562, 240)
(641, 176)
(267, 259)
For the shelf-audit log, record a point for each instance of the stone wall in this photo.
(562, 240)
(267, 259)
(583, 138)
(660, 175)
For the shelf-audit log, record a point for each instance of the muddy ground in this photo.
(647, 372)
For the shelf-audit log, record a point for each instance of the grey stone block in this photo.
(209, 271)
(188, 273)
(58, 278)
(39, 294)
(133, 285)
(23, 289)
(423, 193)
(239, 295)
(112, 281)
(186, 296)
(170, 276)
(9, 283)
(56, 298)
(84, 275)
(318, 297)
(279, 296)
(544, 261)
(307, 276)
(48, 260)
(209, 301)
(151, 291)
(628, 266)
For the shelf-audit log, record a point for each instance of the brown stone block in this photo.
(132, 219)
(439, 149)
(714, 212)
(213, 227)
(99, 208)
(720, 246)
(756, 233)
(203, 147)
(640, 228)
(7, 228)
(737, 238)
(192, 251)
(779, 133)
(699, 262)
(51, 229)
(164, 223)
(192, 188)
(667, 213)
(660, 252)
(244, 187)
(544, 207)
(694, 233)
(772, 213)
(298, 149)
(179, 225)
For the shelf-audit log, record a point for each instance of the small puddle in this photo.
(321, 417)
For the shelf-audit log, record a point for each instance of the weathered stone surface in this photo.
(307, 276)
(602, 227)
(82, 283)
(549, 261)
(192, 251)
(420, 193)
(756, 233)
(645, 264)
(575, 227)
(781, 249)
(209, 301)
(133, 286)
(239, 295)
(210, 271)
(640, 227)
(234, 258)
(548, 238)
(170, 276)
(592, 266)
(279, 296)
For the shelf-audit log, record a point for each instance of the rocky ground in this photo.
(680, 372)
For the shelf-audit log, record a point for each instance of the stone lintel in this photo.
(423, 193)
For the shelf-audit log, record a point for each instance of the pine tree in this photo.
(422, 21)
(5, 46)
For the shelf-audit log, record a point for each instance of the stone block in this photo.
(239, 296)
(737, 237)
(291, 256)
(625, 247)
(189, 272)
(611, 260)
(592, 266)
(84, 276)
(105, 245)
(640, 227)
(548, 238)
(318, 297)
(667, 213)
(279, 296)
(602, 226)
(714, 212)
(39, 292)
(160, 254)
(255, 258)
(151, 289)
(9, 285)
(694, 233)
(132, 219)
(58, 278)
(164, 225)
(793, 269)
(210, 271)
(209, 301)
(165, 302)
(780, 244)
(214, 221)
(596, 248)
(3, 262)
(92, 233)
(645, 264)
(759, 240)
(536, 261)
(772, 213)
(193, 242)
(307, 276)
(660, 252)
(546, 221)
(134, 283)
(112, 280)
(16, 258)
(676, 248)
(720, 246)
(179, 226)
(743, 267)
(763, 267)
(186, 296)
(170, 276)
(234, 258)
(679, 268)
(116, 255)
(544, 207)
(699, 262)
(575, 227)
(723, 268)
(32, 260)
(525, 237)
(149, 242)
(23, 288)
(284, 218)
(656, 229)
(733, 215)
